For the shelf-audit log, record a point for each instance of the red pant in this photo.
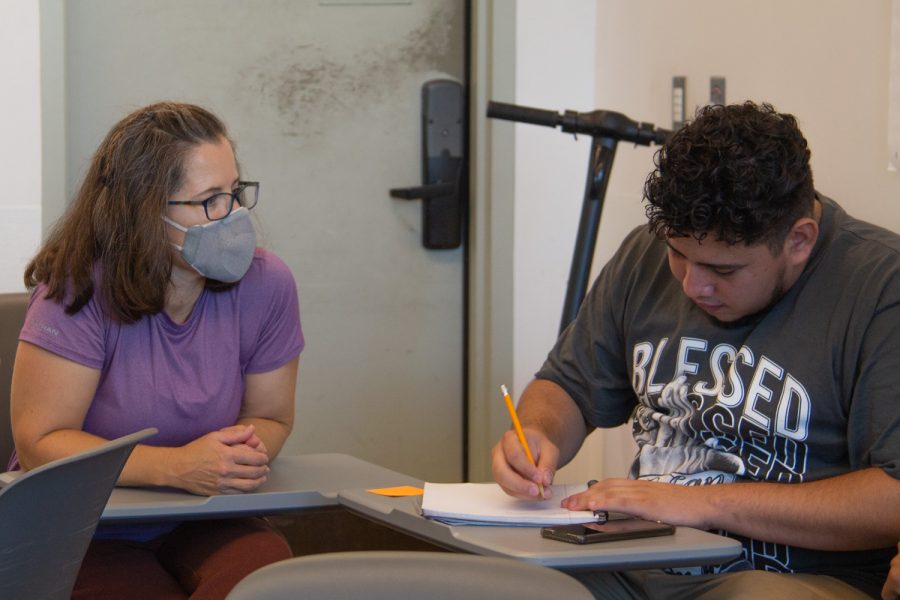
(199, 560)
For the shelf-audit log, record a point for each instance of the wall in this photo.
(20, 140)
(550, 170)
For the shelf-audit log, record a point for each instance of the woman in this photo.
(152, 306)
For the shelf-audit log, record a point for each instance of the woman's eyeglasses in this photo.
(218, 206)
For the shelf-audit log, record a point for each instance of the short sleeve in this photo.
(587, 360)
(873, 433)
(278, 336)
(80, 337)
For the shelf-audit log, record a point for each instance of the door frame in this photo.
(489, 338)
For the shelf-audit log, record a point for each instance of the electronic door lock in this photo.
(443, 165)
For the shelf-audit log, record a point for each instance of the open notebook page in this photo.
(487, 504)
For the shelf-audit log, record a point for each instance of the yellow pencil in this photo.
(518, 427)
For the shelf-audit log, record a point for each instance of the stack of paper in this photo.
(487, 504)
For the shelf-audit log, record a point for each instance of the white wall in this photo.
(555, 65)
(550, 169)
(20, 140)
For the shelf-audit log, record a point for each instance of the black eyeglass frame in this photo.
(235, 197)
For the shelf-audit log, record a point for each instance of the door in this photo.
(323, 101)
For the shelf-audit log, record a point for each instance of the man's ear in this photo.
(801, 239)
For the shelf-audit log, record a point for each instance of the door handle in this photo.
(443, 165)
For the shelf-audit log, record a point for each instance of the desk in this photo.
(295, 482)
(687, 547)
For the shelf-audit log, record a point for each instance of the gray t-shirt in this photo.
(807, 390)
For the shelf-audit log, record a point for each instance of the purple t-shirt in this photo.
(184, 379)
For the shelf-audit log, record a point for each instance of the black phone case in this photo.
(577, 535)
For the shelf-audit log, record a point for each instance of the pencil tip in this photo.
(503, 389)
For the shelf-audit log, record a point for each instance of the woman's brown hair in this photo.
(113, 226)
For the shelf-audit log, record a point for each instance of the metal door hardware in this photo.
(443, 165)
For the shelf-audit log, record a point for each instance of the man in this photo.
(753, 337)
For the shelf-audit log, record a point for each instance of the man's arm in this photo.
(856, 511)
(555, 430)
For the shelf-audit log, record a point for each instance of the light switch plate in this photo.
(717, 90)
(678, 101)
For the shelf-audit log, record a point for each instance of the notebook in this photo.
(487, 504)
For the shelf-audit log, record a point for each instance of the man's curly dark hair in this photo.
(739, 173)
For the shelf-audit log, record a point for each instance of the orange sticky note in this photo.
(396, 492)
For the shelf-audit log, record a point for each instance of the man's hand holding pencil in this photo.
(527, 459)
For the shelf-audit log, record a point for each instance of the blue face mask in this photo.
(220, 250)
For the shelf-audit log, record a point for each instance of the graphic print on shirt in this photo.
(710, 415)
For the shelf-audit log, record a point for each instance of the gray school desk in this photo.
(687, 547)
(295, 483)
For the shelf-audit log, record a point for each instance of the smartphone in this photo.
(618, 529)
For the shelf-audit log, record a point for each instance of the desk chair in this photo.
(12, 315)
(390, 575)
(48, 516)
